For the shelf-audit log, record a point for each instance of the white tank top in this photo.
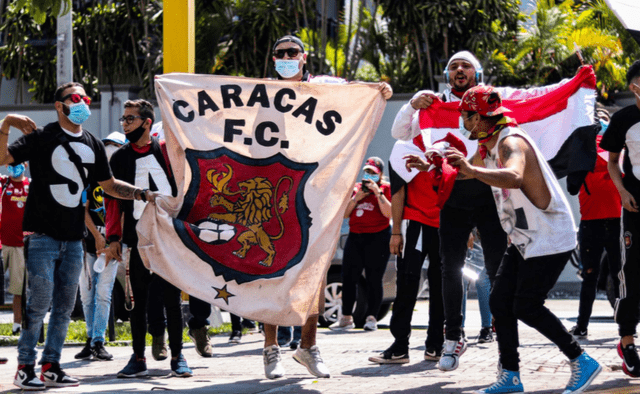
(534, 232)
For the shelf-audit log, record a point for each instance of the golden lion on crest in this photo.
(251, 210)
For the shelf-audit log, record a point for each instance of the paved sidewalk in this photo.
(239, 369)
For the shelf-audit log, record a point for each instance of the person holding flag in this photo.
(535, 214)
(470, 203)
(289, 59)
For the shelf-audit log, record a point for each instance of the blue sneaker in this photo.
(508, 382)
(134, 368)
(583, 370)
(180, 368)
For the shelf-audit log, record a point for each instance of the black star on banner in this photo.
(223, 293)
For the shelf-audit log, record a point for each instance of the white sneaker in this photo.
(371, 324)
(343, 324)
(273, 368)
(311, 359)
(451, 354)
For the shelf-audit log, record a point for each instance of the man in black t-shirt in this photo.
(624, 132)
(143, 161)
(55, 214)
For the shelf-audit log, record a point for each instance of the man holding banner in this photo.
(264, 170)
(534, 212)
(142, 162)
(470, 203)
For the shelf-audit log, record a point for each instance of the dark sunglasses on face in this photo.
(129, 119)
(75, 98)
(292, 52)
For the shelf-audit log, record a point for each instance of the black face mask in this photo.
(136, 134)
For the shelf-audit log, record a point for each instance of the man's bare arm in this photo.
(397, 210)
(22, 123)
(627, 200)
(512, 154)
(126, 191)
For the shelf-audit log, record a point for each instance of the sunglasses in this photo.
(76, 98)
(129, 119)
(292, 52)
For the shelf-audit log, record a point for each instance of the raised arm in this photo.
(22, 123)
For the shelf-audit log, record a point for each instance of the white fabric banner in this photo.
(264, 170)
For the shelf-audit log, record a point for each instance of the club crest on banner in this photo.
(245, 217)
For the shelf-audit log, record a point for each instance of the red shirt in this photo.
(603, 202)
(14, 200)
(366, 217)
(421, 201)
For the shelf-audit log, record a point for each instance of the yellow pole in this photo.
(179, 44)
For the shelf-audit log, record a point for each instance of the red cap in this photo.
(374, 164)
(484, 100)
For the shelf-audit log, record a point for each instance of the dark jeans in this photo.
(238, 322)
(519, 291)
(408, 283)
(627, 306)
(368, 251)
(152, 289)
(455, 226)
(200, 312)
(596, 236)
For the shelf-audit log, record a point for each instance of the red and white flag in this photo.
(264, 171)
(549, 119)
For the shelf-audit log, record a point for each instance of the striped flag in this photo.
(549, 119)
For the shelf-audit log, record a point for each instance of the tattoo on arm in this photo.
(505, 151)
(124, 190)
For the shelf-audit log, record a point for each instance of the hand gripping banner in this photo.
(264, 170)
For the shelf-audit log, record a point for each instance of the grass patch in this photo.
(77, 333)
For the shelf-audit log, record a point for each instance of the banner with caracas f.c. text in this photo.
(264, 170)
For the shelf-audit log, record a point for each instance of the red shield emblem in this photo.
(246, 217)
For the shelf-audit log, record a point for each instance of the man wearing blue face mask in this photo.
(15, 189)
(290, 59)
(64, 159)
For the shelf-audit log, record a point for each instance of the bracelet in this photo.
(397, 234)
(143, 195)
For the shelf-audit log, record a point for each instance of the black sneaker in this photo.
(391, 356)
(631, 362)
(294, 344)
(236, 336)
(85, 353)
(486, 335)
(100, 353)
(432, 354)
(26, 378)
(3, 360)
(578, 332)
(53, 376)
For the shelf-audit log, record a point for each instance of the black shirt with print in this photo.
(624, 132)
(54, 205)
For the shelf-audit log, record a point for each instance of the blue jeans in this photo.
(96, 302)
(53, 270)
(483, 286)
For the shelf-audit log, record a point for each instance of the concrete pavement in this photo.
(239, 369)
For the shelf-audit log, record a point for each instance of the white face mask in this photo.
(110, 149)
(463, 130)
(287, 68)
